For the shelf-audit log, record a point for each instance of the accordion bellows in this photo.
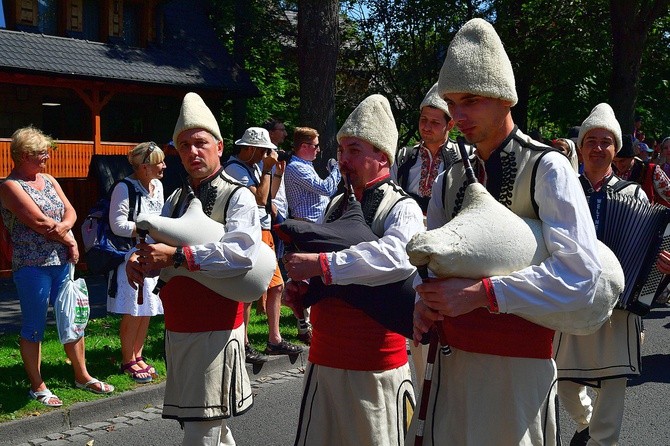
(194, 227)
(469, 246)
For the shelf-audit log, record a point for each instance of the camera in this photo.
(284, 155)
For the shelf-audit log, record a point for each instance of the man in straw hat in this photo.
(498, 385)
(207, 381)
(358, 388)
(255, 156)
(604, 359)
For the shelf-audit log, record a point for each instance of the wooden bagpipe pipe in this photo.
(392, 305)
(636, 231)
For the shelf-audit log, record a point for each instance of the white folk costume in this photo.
(416, 168)
(204, 341)
(206, 376)
(498, 385)
(604, 359)
(358, 389)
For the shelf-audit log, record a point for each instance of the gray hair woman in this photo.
(148, 162)
(40, 218)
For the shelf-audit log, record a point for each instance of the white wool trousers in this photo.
(207, 433)
(604, 417)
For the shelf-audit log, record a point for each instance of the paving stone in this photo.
(136, 421)
(38, 441)
(79, 438)
(133, 414)
(97, 425)
(57, 443)
(56, 436)
(75, 431)
(150, 416)
(118, 420)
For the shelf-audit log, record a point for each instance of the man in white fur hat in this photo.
(255, 156)
(602, 360)
(417, 167)
(498, 385)
(358, 388)
(207, 381)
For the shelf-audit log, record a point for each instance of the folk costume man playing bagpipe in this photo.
(207, 381)
(602, 360)
(358, 388)
(498, 385)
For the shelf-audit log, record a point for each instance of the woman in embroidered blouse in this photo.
(148, 162)
(40, 219)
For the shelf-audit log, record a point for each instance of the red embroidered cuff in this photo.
(325, 269)
(491, 296)
(190, 261)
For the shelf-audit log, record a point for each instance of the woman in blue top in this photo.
(40, 218)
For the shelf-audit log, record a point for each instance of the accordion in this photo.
(635, 231)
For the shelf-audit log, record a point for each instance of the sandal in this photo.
(45, 397)
(90, 386)
(149, 368)
(135, 374)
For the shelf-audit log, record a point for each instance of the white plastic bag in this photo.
(71, 309)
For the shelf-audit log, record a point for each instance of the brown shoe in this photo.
(305, 336)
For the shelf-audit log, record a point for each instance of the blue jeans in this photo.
(37, 287)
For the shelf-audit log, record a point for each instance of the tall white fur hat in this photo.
(601, 117)
(477, 63)
(195, 114)
(434, 100)
(373, 121)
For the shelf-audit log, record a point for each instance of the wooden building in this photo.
(100, 76)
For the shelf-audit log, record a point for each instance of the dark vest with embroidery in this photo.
(510, 173)
(376, 203)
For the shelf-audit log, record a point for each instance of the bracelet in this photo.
(267, 173)
(492, 304)
(277, 176)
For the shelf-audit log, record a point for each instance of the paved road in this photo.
(273, 419)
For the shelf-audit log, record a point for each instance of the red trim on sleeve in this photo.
(190, 260)
(491, 296)
(326, 276)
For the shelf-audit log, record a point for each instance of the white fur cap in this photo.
(601, 117)
(477, 63)
(373, 121)
(434, 100)
(195, 114)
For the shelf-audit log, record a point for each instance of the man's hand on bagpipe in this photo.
(453, 296)
(301, 266)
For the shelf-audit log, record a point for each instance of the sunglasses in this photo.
(150, 150)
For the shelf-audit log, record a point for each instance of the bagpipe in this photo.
(194, 227)
(471, 246)
(392, 305)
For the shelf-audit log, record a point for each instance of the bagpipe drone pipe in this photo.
(392, 305)
(635, 231)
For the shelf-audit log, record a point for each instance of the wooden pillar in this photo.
(95, 100)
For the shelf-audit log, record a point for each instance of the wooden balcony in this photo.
(70, 160)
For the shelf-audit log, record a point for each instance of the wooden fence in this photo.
(70, 160)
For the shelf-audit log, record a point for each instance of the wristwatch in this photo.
(178, 257)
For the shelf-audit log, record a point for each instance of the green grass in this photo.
(103, 355)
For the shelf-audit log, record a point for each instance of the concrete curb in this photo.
(82, 414)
